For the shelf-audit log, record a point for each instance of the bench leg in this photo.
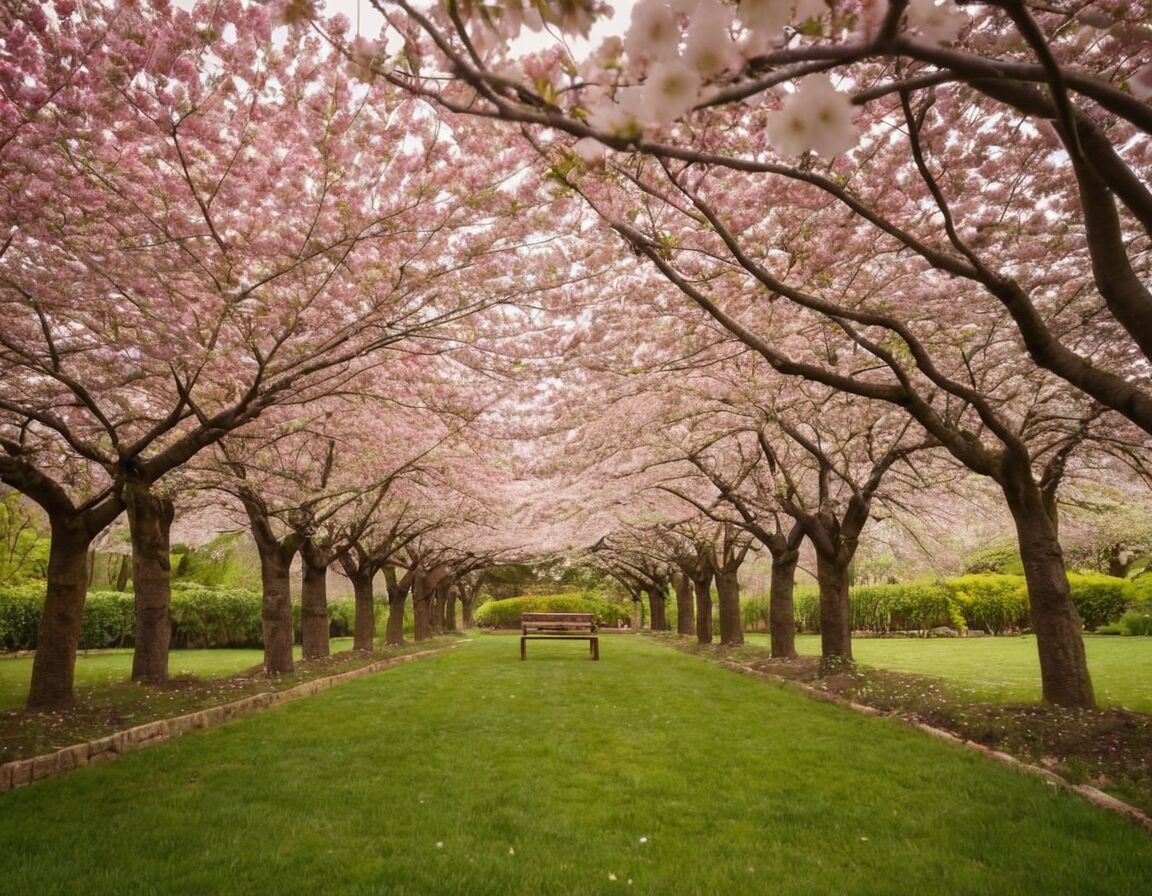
(523, 648)
(594, 645)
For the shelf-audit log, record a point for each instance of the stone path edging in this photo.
(1093, 795)
(22, 772)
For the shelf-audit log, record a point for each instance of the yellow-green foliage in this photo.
(506, 613)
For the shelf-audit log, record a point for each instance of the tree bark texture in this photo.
(314, 628)
(702, 586)
(53, 668)
(364, 629)
(728, 599)
(150, 523)
(685, 605)
(1059, 634)
(422, 593)
(835, 611)
(782, 607)
(657, 605)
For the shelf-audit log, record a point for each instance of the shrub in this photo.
(506, 613)
(1100, 599)
(754, 614)
(109, 620)
(902, 608)
(1137, 622)
(20, 609)
(992, 603)
(215, 617)
(806, 606)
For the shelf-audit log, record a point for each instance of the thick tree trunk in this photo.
(702, 586)
(276, 611)
(394, 633)
(150, 523)
(685, 613)
(54, 666)
(782, 607)
(364, 630)
(1059, 635)
(422, 594)
(835, 612)
(728, 599)
(657, 606)
(314, 630)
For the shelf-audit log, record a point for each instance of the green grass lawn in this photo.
(1005, 669)
(474, 773)
(107, 667)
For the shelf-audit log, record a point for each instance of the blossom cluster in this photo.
(674, 51)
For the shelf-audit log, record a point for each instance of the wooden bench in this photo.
(561, 627)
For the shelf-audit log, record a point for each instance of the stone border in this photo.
(1093, 795)
(22, 772)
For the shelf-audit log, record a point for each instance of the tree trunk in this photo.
(123, 573)
(703, 589)
(1059, 634)
(468, 606)
(439, 614)
(394, 634)
(276, 612)
(364, 630)
(314, 630)
(657, 605)
(835, 612)
(150, 523)
(685, 615)
(728, 598)
(450, 610)
(53, 668)
(421, 607)
(782, 607)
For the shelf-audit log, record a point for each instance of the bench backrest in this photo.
(558, 621)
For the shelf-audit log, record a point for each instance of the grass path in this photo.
(474, 773)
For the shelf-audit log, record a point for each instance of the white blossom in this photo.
(708, 45)
(937, 21)
(653, 34)
(671, 90)
(619, 117)
(590, 150)
(816, 117)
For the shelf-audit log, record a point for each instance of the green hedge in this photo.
(989, 602)
(215, 617)
(202, 617)
(506, 613)
(20, 608)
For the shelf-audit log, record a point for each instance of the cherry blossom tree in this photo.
(191, 237)
(984, 164)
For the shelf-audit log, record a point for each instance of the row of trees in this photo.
(962, 243)
(414, 319)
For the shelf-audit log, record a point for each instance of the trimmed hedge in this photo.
(988, 602)
(202, 617)
(506, 613)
